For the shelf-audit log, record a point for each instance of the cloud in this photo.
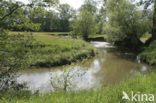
(74, 3)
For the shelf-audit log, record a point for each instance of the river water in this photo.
(109, 66)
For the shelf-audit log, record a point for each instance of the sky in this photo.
(73, 3)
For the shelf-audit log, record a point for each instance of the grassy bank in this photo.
(111, 94)
(149, 54)
(51, 50)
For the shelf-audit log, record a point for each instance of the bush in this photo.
(149, 54)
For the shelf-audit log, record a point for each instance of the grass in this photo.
(111, 94)
(149, 54)
(97, 35)
(56, 50)
(43, 33)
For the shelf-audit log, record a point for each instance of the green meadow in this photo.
(57, 50)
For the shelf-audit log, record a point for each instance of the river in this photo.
(109, 66)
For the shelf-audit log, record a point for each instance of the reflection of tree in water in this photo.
(114, 68)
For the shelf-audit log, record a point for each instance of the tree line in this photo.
(120, 20)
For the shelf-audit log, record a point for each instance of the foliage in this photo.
(149, 54)
(51, 20)
(14, 17)
(146, 35)
(90, 6)
(66, 13)
(101, 18)
(14, 55)
(154, 23)
(126, 24)
(85, 23)
(140, 83)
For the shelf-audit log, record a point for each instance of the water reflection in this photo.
(80, 78)
(143, 69)
(106, 68)
(138, 59)
(102, 44)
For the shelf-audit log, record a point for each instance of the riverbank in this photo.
(107, 94)
(97, 37)
(49, 50)
(139, 84)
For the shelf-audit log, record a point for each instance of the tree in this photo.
(13, 14)
(85, 23)
(90, 6)
(126, 24)
(51, 20)
(102, 17)
(146, 4)
(65, 14)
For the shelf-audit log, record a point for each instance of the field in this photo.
(57, 50)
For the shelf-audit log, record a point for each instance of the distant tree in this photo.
(65, 14)
(85, 23)
(102, 17)
(51, 20)
(90, 6)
